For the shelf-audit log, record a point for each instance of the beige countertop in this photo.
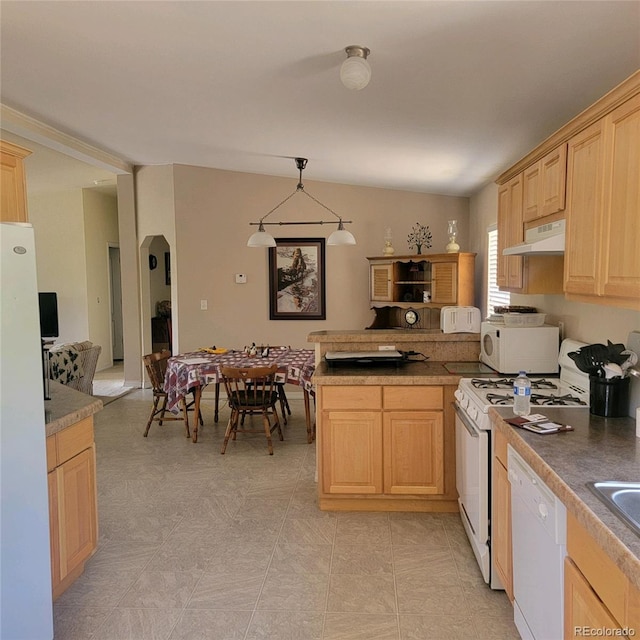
(66, 407)
(391, 335)
(598, 449)
(422, 373)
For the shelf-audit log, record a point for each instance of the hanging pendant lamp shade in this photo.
(340, 237)
(261, 238)
(355, 72)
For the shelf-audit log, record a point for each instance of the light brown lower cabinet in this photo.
(385, 448)
(501, 550)
(598, 596)
(582, 607)
(73, 507)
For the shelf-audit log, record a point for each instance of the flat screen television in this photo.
(48, 315)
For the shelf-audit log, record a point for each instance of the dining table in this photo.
(195, 370)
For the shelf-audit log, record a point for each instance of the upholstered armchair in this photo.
(74, 364)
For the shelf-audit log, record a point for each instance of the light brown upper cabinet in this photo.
(602, 261)
(544, 185)
(510, 232)
(13, 190)
(587, 172)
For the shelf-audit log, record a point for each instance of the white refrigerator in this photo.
(26, 610)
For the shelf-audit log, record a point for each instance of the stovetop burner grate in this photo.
(507, 383)
(537, 399)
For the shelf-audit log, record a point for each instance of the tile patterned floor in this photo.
(199, 546)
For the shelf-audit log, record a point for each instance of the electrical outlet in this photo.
(241, 278)
(203, 305)
(386, 347)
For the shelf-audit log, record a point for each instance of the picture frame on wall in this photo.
(297, 281)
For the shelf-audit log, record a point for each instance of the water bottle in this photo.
(522, 395)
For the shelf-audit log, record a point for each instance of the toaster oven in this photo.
(513, 349)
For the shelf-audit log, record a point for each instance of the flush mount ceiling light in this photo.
(263, 239)
(355, 71)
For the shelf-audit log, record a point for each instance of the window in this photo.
(495, 297)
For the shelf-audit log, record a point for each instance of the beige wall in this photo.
(483, 212)
(58, 223)
(213, 209)
(100, 230)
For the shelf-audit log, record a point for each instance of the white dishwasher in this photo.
(539, 535)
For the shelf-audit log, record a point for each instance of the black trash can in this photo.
(609, 398)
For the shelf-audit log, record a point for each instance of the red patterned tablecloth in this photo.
(187, 370)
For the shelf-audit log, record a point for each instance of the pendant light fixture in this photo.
(263, 239)
(355, 72)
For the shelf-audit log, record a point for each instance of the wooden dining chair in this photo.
(156, 366)
(250, 391)
(282, 396)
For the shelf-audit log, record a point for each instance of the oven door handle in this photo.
(468, 425)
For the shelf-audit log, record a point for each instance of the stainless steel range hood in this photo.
(545, 240)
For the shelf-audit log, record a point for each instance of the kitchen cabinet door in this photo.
(352, 452)
(413, 452)
(444, 282)
(585, 166)
(621, 215)
(510, 232)
(501, 527)
(73, 517)
(544, 185)
(582, 607)
(13, 191)
(381, 276)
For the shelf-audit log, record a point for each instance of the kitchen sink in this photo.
(623, 498)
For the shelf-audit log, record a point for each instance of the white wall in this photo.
(100, 230)
(58, 221)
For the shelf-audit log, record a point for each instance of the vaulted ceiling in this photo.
(459, 90)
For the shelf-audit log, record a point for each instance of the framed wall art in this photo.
(297, 279)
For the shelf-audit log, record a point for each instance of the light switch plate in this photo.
(241, 278)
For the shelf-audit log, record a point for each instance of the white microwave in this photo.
(514, 349)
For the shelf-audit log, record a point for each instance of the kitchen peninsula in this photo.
(386, 439)
(71, 473)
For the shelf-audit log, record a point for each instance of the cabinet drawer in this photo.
(74, 439)
(413, 398)
(352, 397)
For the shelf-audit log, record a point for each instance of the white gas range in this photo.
(474, 444)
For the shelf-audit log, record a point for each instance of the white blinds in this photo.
(495, 297)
